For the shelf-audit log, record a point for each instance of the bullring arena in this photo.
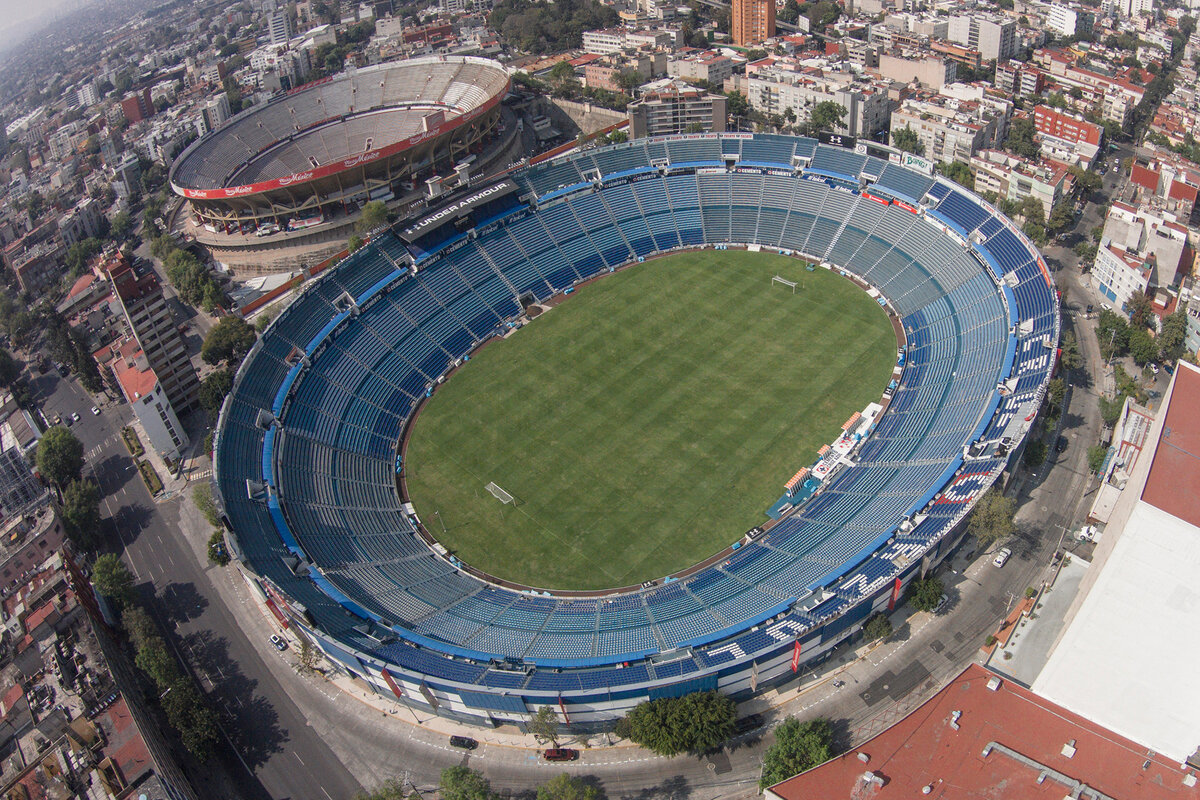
(309, 459)
(297, 170)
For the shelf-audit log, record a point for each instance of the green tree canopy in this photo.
(81, 514)
(827, 115)
(926, 593)
(113, 579)
(799, 746)
(228, 341)
(354, 242)
(877, 626)
(906, 139)
(1020, 140)
(1095, 457)
(375, 214)
(694, 723)
(563, 787)
(463, 783)
(1071, 359)
(992, 518)
(544, 725)
(59, 456)
(1112, 333)
(1142, 346)
(1170, 338)
(213, 389)
(1140, 309)
(736, 104)
(959, 172)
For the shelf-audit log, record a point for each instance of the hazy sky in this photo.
(17, 15)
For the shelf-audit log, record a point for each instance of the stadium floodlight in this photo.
(500, 494)
(784, 281)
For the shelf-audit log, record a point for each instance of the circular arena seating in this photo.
(307, 458)
(327, 121)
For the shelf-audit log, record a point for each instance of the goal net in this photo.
(780, 279)
(500, 494)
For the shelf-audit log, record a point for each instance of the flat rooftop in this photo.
(971, 742)
(1128, 658)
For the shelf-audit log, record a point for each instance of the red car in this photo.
(560, 754)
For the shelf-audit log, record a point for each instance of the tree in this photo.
(562, 72)
(1096, 456)
(1061, 217)
(122, 226)
(906, 139)
(544, 726)
(354, 243)
(390, 789)
(79, 254)
(464, 783)
(59, 456)
(190, 715)
(217, 553)
(799, 746)
(925, 594)
(1086, 180)
(154, 659)
(992, 518)
(81, 514)
(1071, 359)
(877, 626)
(1112, 333)
(10, 369)
(228, 341)
(736, 104)
(213, 390)
(113, 579)
(375, 214)
(563, 787)
(308, 655)
(959, 172)
(694, 723)
(1142, 346)
(1170, 338)
(1020, 138)
(1056, 390)
(826, 115)
(1035, 453)
(1140, 308)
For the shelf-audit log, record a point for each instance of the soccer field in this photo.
(648, 421)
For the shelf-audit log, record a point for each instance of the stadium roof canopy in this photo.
(985, 737)
(1128, 658)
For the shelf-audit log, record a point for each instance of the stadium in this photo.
(309, 447)
(322, 150)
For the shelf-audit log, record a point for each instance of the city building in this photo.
(752, 21)
(791, 85)
(39, 266)
(950, 129)
(137, 106)
(986, 736)
(994, 37)
(87, 95)
(1169, 178)
(676, 109)
(1067, 137)
(932, 72)
(150, 321)
(279, 26)
(1118, 272)
(213, 113)
(1154, 234)
(144, 393)
(1119, 661)
(1016, 179)
(1019, 78)
(81, 222)
(700, 65)
(1070, 20)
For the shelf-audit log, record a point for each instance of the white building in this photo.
(81, 222)
(142, 390)
(213, 114)
(279, 27)
(774, 90)
(993, 36)
(87, 94)
(1070, 20)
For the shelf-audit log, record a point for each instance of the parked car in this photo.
(465, 742)
(747, 724)
(1154, 367)
(95, 411)
(560, 754)
(1061, 444)
(75, 416)
(278, 642)
(1002, 557)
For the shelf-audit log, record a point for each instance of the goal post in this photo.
(780, 279)
(500, 494)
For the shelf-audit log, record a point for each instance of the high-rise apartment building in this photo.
(152, 324)
(994, 37)
(752, 21)
(279, 27)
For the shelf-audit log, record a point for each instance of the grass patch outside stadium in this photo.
(648, 421)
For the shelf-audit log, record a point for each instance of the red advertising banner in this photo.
(895, 595)
(563, 709)
(796, 656)
(395, 687)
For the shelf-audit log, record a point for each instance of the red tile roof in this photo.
(942, 745)
(1174, 481)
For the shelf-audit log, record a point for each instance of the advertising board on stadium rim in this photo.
(342, 164)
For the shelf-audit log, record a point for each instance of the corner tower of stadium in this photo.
(307, 458)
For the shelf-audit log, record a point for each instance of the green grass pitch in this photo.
(648, 421)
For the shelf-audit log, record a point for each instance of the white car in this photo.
(75, 416)
(95, 411)
(1154, 367)
(1002, 557)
